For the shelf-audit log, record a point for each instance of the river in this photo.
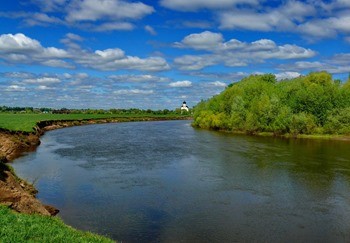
(168, 182)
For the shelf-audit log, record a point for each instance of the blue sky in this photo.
(157, 53)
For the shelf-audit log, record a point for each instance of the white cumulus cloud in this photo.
(181, 84)
(193, 5)
(287, 75)
(203, 41)
(138, 78)
(15, 88)
(285, 16)
(218, 84)
(150, 30)
(133, 92)
(115, 59)
(234, 53)
(18, 43)
(19, 48)
(92, 15)
(92, 10)
(43, 80)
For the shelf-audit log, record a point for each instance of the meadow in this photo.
(27, 122)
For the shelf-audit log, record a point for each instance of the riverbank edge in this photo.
(335, 137)
(18, 194)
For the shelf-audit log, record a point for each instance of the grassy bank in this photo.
(306, 136)
(17, 227)
(26, 122)
(287, 135)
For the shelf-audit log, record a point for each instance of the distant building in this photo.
(184, 106)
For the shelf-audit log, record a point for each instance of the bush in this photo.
(281, 123)
(302, 123)
(338, 122)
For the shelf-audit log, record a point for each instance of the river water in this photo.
(168, 182)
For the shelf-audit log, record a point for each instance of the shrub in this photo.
(302, 123)
(338, 122)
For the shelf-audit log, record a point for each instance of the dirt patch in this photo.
(19, 195)
(12, 145)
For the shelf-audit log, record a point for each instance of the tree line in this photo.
(311, 104)
(131, 111)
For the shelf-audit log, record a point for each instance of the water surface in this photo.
(169, 182)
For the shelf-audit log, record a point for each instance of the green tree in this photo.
(258, 103)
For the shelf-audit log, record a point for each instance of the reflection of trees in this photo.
(317, 164)
(289, 185)
(313, 163)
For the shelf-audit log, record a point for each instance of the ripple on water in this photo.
(168, 182)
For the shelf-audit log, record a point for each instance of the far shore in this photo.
(286, 136)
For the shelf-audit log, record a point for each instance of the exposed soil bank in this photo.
(14, 192)
(17, 193)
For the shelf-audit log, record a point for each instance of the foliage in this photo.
(17, 227)
(303, 123)
(338, 121)
(311, 104)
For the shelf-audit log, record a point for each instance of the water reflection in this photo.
(168, 182)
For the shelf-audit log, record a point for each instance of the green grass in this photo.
(26, 122)
(15, 227)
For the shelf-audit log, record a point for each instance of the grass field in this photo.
(26, 122)
(17, 227)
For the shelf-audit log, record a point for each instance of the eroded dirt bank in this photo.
(14, 192)
(17, 193)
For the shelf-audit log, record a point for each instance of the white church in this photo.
(184, 107)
